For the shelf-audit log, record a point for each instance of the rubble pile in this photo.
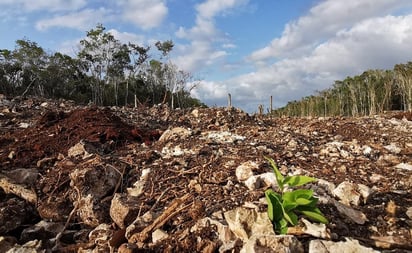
(91, 179)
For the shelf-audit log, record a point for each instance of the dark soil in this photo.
(127, 139)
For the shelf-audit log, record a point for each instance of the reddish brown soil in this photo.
(126, 138)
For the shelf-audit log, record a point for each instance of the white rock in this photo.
(365, 192)
(404, 166)
(347, 193)
(374, 178)
(223, 137)
(34, 246)
(123, 209)
(257, 181)
(356, 216)
(159, 235)
(328, 186)
(138, 186)
(409, 212)
(224, 232)
(195, 113)
(345, 154)
(366, 150)
(393, 148)
(272, 243)
(175, 151)
(175, 133)
(351, 245)
(317, 230)
(78, 150)
(245, 170)
(244, 223)
(24, 125)
(252, 183)
(268, 179)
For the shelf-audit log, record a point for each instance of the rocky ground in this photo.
(88, 179)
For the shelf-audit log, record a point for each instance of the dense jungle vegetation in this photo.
(104, 72)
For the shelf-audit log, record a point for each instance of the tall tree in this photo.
(105, 58)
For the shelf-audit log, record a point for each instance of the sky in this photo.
(252, 49)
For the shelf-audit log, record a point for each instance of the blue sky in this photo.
(250, 48)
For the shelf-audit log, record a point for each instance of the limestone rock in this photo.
(245, 170)
(43, 230)
(123, 209)
(351, 245)
(317, 230)
(350, 193)
(354, 215)
(223, 137)
(138, 186)
(245, 222)
(174, 134)
(159, 235)
(272, 243)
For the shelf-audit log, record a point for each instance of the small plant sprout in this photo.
(284, 207)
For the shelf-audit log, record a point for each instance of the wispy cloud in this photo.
(44, 5)
(81, 20)
(145, 14)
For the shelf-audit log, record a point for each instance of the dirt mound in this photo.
(56, 131)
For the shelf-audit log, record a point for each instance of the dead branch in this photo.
(170, 212)
(9, 186)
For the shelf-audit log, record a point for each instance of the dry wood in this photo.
(171, 211)
(9, 186)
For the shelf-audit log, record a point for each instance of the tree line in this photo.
(104, 72)
(372, 92)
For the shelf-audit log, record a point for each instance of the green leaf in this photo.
(303, 201)
(298, 180)
(278, 175)
(313, 214)
(275, 209)
(281, 226)
(292, 218)
(299, 193)
(287, 206)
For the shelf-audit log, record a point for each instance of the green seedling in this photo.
(284, 207)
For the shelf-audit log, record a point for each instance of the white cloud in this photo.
(70, 47)
(81, 20)
(211, 8)
(373, 43)
(197, 54)
(203, 36)
(44, 5)
(321, 22)
(126, 37)
(145, 14)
